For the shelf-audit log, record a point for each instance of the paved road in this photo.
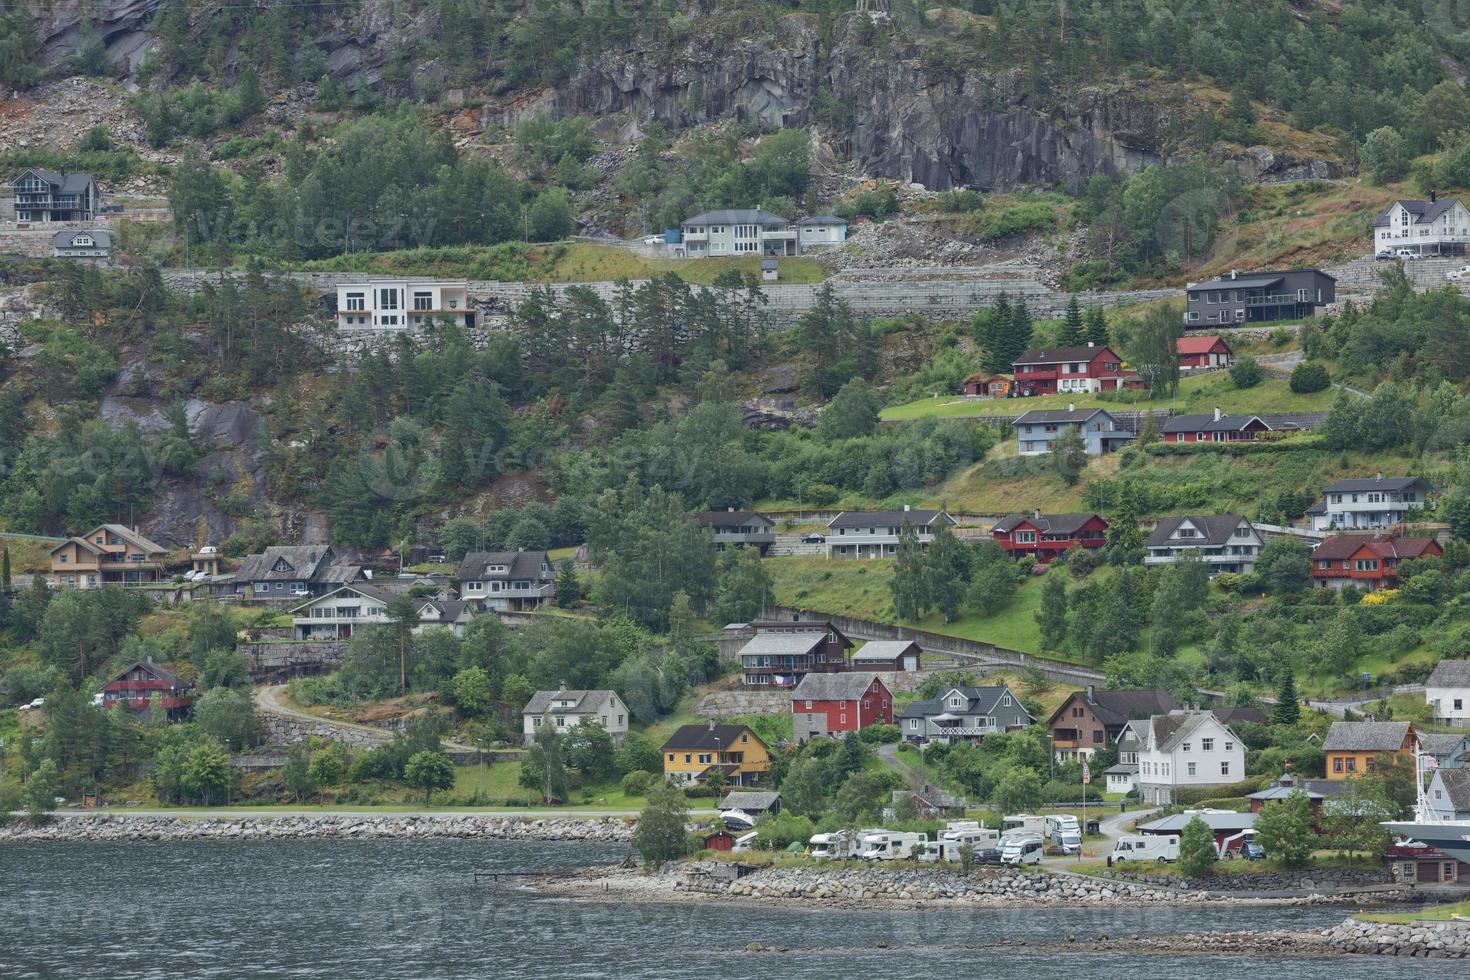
(1112, 826)
(273, 700)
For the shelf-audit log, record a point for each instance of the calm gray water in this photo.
(411, 909)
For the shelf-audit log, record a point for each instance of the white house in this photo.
(507, 581)
(875, 533)
(1447, 691)
(402, 304)
(335, 615)
(1123, 776)
(90, 244)
(753, 231)
(1431, 227)
(821, 230)
(1225, 542)
(1186, 748)
(564, 709)
(1448, 794)
(1373, 502)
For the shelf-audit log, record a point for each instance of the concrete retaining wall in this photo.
(273, 657)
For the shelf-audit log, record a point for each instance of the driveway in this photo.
(1112, 826)
(273, 701)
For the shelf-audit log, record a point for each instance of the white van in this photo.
(1458, 275)
(1022, 849)
(1064, 832)
(1146, 847)
(1023, 823)
(1406, 253)
(886, 845)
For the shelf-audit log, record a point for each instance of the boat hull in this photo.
(1451, 838)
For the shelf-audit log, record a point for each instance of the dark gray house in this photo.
(963, 714)
(1258, 297)
(737, 528)
(45, 195)
(89, 244)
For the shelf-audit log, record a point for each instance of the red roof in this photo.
(1199, 345)
(1346, 545)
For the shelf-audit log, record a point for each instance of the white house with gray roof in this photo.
(335, 615)
(1036, 431)
(1185, 748)
(1225, 542)
(91, 245)
(507, 581)
(564, 709)
(1447, 692)
(874, 533)
(754, 231)
(1431, 227)
(1370, 502)
(47, 195)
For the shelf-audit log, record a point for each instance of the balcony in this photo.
(696, 236)
(781, 235)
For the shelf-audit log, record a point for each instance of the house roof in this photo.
(736, 216)
(885, 650)
(1217, 529)
(731, 518)
(749, 800)
(1240, 282)
(305, 562)
(1056, 355)
(585, 702)
(833, 687)
(1122, 769)
(1456, 784)
(65, 183)
(1196, 344)
(63, 239)
(1378, 483)
(519, 565)
(1446, 746)
(1119, 707)
(382, 595)
(981, 700)
(132, 537)
(1423, 211)
(1450, 673)
(1208, 423)
(822, 219)
(767, 264)
(1047, 523)
(1231, 715)
(1059, 415)
(157, 670)
(1341, 546)
(708, 737)
(1215, 821)
(1165, 731)
(79, 542)
(878, 518)
(1365, 736)
(783, 644)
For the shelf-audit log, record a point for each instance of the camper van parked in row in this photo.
(1146, 847)
(1023, 823)
(1064, 832)
(887, 845)
(958, 834)
(839, 845)
(1019, 849)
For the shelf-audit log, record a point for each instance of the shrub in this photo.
(1197, 853)
(1309, 376)
(880, 734)
(638, 782)
(1245, 372)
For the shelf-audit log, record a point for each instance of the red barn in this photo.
(834, 704)
(720, 840)
(135, 687)
(1044, 536)
(1204, 352)
(1368, 561)
(1048, 370)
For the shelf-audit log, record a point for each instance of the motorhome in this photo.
(1146, 847)
(839, 845)
(947, 847)
(1023, 823)
(1064, 832)
(887, 845)
(1021, 849)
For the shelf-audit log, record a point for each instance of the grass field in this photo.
(1199, 394)
(1437, 913)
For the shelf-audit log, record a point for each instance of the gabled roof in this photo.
(1378, 483)
(719, 737)
(157, 671)
(1208, 423)
(1448, 746)
(980, 701)
(833, 687)
(519, 565)
(823, 219)
(885, 650)
(1365, 736)
(1118, 707)
(1216, 529)
(366, 591)
(751, 801)
(1163, 732)
(82, 543)
(1456, 784)
(731, 518)
(584, 702)
(1197, 344)
(64, 239)
(1061, 415)
(131, 537)
(1047, 523)
(1420, 211)
(880, 518)
(1239, 282)
(64, 183)
(736, 216)
(783, 644)
(1450, 673)
(1341, 546)
(1231, 715)
(1056, 355)
(305, 561)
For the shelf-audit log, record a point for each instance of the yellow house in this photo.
(1354, 747)
(694, 751)
(109, 554)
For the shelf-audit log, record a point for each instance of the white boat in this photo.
(1428, 827)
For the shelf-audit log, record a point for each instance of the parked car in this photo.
(1406, 253)
(1252, 851)
(1384, 254)
(814, 539)
(988, 855)
(653, 240)
(1456, 275)
(38, 703)
(1022, 849)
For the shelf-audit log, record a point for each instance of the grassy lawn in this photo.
(1236, 867)
(1439, 913)
(1199, 394)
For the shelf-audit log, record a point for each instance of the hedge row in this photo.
(1293, 445)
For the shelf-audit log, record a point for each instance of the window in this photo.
(1208, 744)
(423, 301)
(1025, 537)
(1191, 769)
(1459, 704)
(355, 301)
(1352, 764)
(808, 706)
(1186, 746)
(561, 722)
(1005, 700)
(1097, 736)
(387, 299)
(1337, 765)
(913, 723)
(1224, 768)
(620, 719)
(687, 758)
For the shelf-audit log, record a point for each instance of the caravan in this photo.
(1145, 847)
(888, 845)
(836, 846)
(1023, 823)
(1021, 849)
(1064, 833)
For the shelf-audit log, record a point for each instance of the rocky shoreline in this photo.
(114, 827)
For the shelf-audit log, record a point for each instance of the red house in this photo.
(825, 705)
(1369, 562)
(135, 687)
(1044, 536)
(1218, 427)
(1204, 352)
(1048, 370)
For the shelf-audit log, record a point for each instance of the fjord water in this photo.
(340, 910)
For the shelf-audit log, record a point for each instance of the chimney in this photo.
(1091, 693)
(1234, 273)
(1379, 475)
(1071, 406)
(711, 724)
(1036, 513)
(561, 686)
(1433, 196)
(1091, 344)
(729, 510)
(907, 508)
(1218, 416)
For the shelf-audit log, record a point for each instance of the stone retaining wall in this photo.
(1310, 879)
(1428, 940)
(267, 657)
(123, 827)
(286, 729)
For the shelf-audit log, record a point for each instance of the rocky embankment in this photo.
(316, 827)
(1428, 940)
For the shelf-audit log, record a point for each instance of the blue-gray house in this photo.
(1036, 431)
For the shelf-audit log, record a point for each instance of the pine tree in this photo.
(1073, 334)
(944, 572)
(5, 569)
(1125, 539)
(1018, 338)
(1288, 709)
(1097, 327)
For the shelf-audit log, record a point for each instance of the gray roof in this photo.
(1119, 707)
(1166, 731)
(1457, 785)
(133, 537)
(736, 216)
(382, 595)
(305, 562)
(883, 650)
(1123, 769)
(1215, 821)
(586, 702)
(1445, 746)
(1208, 423)
(1425, 211)
(880, 518)
(1365, 736)
(1048, 523)
(519, 565)
(1377, 483)
(64, 183)
(770, 264)
(731, 518)
(1240, 282)
(1060, 415)
(833, 687)
(1217, 529)
(63, 239)
(784, 644)
(982, 700)
(749, 801)
(822, 219)
(1450, 673)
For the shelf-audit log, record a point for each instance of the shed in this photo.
(770, 270)
(720, 840)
